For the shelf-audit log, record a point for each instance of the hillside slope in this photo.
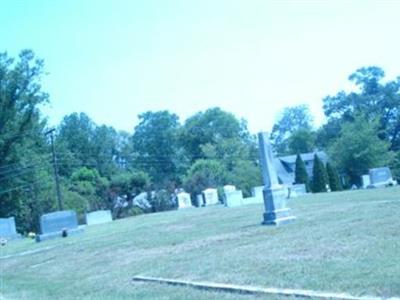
(341, 242)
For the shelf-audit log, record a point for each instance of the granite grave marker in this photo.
(54, 224)
(274, 194)
(98, 217)
(8, 230)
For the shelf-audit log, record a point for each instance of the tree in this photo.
(301, 141)
(395, 167)
(91, 186)
(129, 184)
(374, 100)
(301, 176)
(359, 148)
(210, 128)
(205, 173)
(292, 119)
(333, 178)
(319, 181)
(24, 159)
(73, 142)
(155, 145)
(245, 175)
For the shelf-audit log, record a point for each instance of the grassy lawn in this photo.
(341, 242)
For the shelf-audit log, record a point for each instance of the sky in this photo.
(116, 59)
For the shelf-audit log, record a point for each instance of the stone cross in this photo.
(270, 177)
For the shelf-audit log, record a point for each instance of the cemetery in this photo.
(133, 164)
(336, 235)
(204, 248)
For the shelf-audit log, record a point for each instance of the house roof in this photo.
(287, 176)
(291, 159)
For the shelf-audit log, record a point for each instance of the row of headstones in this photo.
(233, 197)
(55, 224)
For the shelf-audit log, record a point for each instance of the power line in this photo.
(21, 167)
(19, 187)
(23, 172)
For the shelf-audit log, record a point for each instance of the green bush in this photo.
(333, 178)
(319, 176)
(301, 176)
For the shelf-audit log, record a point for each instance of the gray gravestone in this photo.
(7, 229)
(53, 224)
(381, 177)
(233, 198)
(211, 196)
(276, 212)
(98, 217)
(184, 200)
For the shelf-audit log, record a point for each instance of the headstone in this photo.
(274, 194)
(257, 192)
(7, 229)
(233, 198)
(252, 200)
(98, 217)
(366, 182)
(184, 200)
(211, 196)
(229, 188)
(381, 177)
(299, 189)
(53, 224)
(200, 200)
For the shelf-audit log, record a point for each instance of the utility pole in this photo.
(56, 179)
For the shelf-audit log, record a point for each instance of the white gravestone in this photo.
(233, 198)
(257, 192)
(184, 200)
(98, 217)
(211, 196)
(200, 200)
(366, 181)
(229, 188)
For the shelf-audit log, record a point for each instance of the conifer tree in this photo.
(301, 175)
(319, 176)
(333, 178)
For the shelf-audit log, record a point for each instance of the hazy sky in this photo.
(116, 59)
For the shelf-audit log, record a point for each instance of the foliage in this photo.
(395, 167)
(319, 180)
(205, 173)
(292, 119)
(374, 100)
(301, 141)
(89, 184)
(333, 178)
(155, 146)
(129, 183)
(245, 175)
(24, 159)
(210, 128)
(359, 149)
(301, 176)
(162, 200)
